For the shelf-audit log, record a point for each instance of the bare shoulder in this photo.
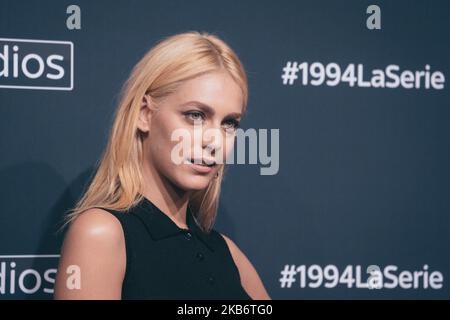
(96, 223)
(95, 230)
(250, 279)
(95, 246)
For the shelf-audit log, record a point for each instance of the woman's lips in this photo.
(201, 168)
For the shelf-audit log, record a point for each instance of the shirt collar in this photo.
(160, 226)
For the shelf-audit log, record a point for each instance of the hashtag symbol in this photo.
(288, 276)
(290, 73)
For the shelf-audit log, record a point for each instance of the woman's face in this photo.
(196, 123)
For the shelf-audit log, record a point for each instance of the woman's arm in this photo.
(93, 253)
(250, 279)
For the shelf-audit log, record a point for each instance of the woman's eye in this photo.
(231, 125)
(195, 116)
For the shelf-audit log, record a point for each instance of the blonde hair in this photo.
(117, 183)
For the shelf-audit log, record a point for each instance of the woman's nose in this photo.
(210, 149)
(212, 140)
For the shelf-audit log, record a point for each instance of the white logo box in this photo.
(66, 43)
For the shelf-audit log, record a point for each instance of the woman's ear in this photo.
(145, 114)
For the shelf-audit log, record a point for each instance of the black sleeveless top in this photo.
(164, 261)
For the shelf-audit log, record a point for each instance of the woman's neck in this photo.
(167, 197)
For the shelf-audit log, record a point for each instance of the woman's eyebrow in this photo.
(235, 115)
(209, 110)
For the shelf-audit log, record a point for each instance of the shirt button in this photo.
(200, 256)
(188, 235)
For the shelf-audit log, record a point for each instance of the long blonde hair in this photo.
(117, 183)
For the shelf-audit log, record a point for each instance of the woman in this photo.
(143, 229)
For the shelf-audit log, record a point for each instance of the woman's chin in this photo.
(195, 182)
